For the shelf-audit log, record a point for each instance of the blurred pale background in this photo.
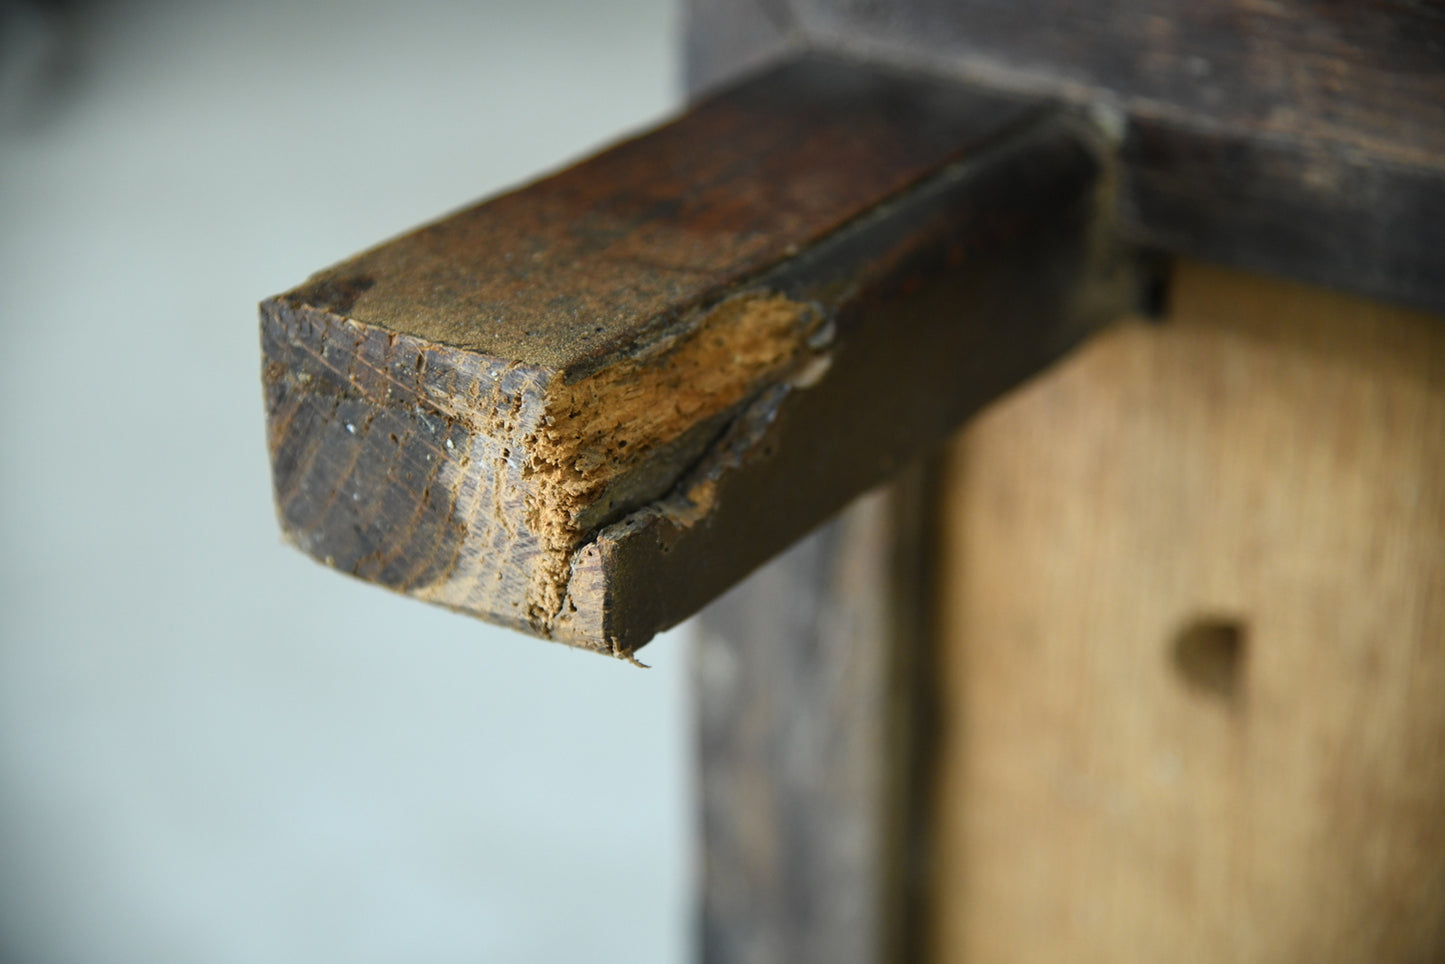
(212, 749)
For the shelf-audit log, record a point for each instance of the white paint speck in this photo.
(351, 428)
(450, 445)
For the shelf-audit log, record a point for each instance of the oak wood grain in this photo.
(1193, 643)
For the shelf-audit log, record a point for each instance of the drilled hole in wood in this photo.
(1208, 652)
(1154, 286)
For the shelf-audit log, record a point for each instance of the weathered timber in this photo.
(1292, 137)
(585, 408)
(810, 710)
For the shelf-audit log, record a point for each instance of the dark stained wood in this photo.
(586, 408)
(810, 702)
(1330, 217)
(1296, 137)
(593, 265)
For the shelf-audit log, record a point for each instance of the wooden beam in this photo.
(585, 408)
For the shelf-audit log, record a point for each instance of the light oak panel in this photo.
(1114, 782)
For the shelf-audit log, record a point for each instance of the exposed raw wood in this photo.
(809, 703)
(1193, 643)
(587, 407)
(1290, 136)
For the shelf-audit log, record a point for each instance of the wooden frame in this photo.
(1288, 138)
(1253, 136)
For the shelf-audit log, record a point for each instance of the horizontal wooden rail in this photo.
(1292, 138)
(585, 408)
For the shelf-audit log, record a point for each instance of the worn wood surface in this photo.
(585, 408)
(1292, 137)
(809, 709)
(1193, 643)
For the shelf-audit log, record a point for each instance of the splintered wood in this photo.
(585, 408)
(506, 443)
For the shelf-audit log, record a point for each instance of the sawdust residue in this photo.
(601, 428)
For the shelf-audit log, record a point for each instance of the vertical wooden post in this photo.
(810, 706)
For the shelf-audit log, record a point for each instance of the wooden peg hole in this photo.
(1208, 653)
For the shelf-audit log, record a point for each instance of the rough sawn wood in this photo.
(585, 408)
